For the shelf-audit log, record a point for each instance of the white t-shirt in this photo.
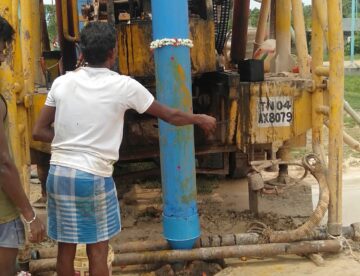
(90, 105)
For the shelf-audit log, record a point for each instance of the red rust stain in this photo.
(187, 101)
(27, 35)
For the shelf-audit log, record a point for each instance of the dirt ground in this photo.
(225, 210)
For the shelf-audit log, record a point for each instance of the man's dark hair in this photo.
(6, 31)
(97, 39)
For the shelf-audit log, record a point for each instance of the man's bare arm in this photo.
(179, 118)
(43, 130)
(11, 185)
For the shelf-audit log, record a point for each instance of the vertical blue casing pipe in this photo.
(80, 3)
(173, 88)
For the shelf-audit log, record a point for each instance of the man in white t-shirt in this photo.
(87, 109)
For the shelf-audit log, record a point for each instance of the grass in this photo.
(356, 57)
(352, 91)
(346, 57)
(352, 96)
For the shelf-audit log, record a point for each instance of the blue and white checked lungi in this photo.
(82, 207)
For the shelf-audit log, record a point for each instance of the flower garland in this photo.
(171, 42)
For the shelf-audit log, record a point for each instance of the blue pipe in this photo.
(173, 88)
(79, 5)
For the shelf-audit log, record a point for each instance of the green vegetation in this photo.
(352, 95)
(50, 15)
(254, 17)
(356, 44)
(347, 8)
(352, 91)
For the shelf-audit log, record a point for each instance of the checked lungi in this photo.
(82, 207)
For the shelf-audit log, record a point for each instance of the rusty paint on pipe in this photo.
(211, 253)
(318, 171)
(239, 30)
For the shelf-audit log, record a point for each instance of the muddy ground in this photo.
(225, 210)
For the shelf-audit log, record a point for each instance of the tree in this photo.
(346, 5)
(254, 17)
(307, 16)
(50, 15)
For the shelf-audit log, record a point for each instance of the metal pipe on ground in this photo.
(312, 163)
(139, 246)
(210, 253)
(349, 232)
(351, 142)
(325, 110)
(351, 112)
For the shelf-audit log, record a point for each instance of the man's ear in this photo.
(112, 54)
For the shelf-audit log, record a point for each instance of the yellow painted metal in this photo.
(38, 102)
(28, 76)
(65, 18)
(136, 59)
(26, 37)
(232, 121)
(300, 35)
(336, 100)
(350, 141)
(320, 10)
(321, 70)
(13, 88)
(294, 88)
(262, 24)
(283, 61)
(36, 42)
(239, 134)
(317, 49)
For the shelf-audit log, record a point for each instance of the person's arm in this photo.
(43, 130)
(11, 185)
(179, 118)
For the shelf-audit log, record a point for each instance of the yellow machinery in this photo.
(257, 120)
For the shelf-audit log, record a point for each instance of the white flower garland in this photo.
(171, 42)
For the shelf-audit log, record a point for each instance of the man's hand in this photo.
(207, 123)
(177, 117)
(37, 231)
